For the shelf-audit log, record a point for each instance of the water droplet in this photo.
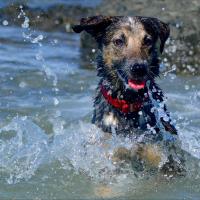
(177, 25)
(187, 87)
(67, 27)
(37, 39)
(22, 84)
(39, 56)
(140, 113)
(5, 23)
(190, 52)
(26, 22)
(165, 59)
(56, 101)
(55, 41)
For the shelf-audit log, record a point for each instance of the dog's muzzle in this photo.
(135, 76)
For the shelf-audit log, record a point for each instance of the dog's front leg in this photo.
(149, 154)
(140, 156)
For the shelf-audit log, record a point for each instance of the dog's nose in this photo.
(138, 69)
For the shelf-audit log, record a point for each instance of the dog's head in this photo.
(129, 47)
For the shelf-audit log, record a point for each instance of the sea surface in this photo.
(48, 147)
(47, 3)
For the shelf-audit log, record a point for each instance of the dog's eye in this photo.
(119, 42)
(148, 40)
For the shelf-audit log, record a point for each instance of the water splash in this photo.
(29, 36)
(80, 148)
(158, 108)
(24, 147)
(24, 151)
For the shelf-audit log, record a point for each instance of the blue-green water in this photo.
(47, 3)
(48, 147)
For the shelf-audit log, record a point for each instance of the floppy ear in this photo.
(157, 27)
(164, 32)
(94, 25)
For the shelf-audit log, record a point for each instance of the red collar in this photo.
(123, 105)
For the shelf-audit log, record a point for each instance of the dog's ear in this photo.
(157, 27)
(94, 25)
(164, 32)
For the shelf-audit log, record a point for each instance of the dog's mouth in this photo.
(132, 83)
(136, 85)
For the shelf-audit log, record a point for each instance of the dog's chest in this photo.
(112, 120)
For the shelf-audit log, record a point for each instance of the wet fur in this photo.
(113, 62)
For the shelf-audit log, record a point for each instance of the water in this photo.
(48, 147)
(47, 3)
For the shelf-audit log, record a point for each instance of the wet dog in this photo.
(128, 101)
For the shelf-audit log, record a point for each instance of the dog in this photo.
(128, 101)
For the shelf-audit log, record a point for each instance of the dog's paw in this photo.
(173, 168)
(149, 154)
(121, 154)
